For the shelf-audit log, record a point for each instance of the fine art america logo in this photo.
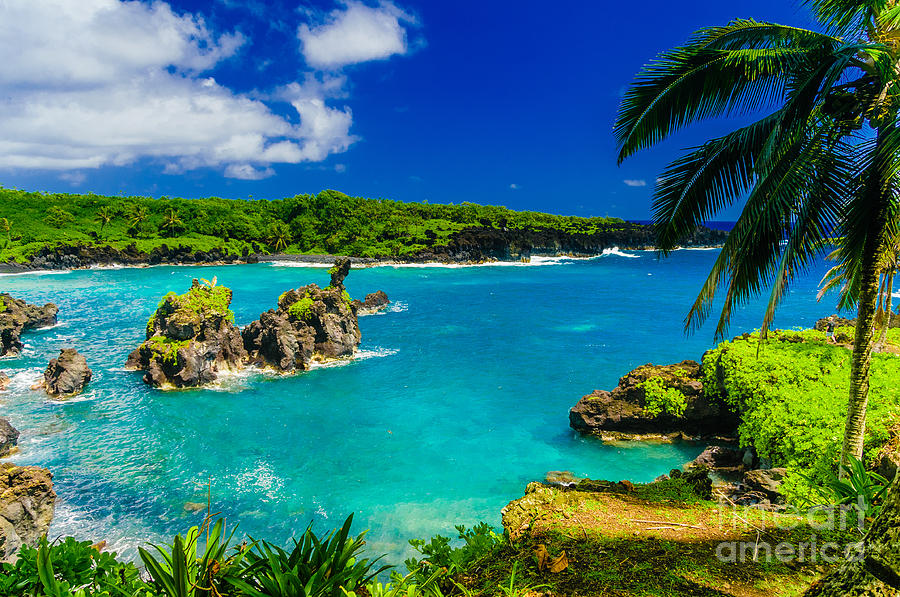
(759, 531)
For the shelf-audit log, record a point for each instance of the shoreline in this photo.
(326, 260)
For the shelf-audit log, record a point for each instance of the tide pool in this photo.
(458, 399)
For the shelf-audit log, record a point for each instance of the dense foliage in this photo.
(791, 393)
(330, 222)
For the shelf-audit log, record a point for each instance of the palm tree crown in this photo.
(822, 159)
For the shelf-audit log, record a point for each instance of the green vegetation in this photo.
(2, 305)
(818, 160)
(301, 309)
(792, 400)
(661, 398)
(166, 347)
(330, 222)
(199, 302)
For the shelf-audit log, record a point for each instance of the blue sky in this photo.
(499, 102)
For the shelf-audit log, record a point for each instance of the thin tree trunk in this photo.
(887, 311)
(864, 338)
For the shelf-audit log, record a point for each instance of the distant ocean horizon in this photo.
(714, 224)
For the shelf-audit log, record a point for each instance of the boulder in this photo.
(375, 302)
(724, 460)
(309, 324)
(17, 316)
(67, 374)
(191, 339)
(26, 507)
(766, 483)
(623, 413)
(4, 381)
(9, 437)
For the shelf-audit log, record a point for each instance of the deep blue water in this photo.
(459, 399)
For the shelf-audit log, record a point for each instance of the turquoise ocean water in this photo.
(458, 399)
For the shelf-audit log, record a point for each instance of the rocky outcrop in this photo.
(722, 460)
(191, 339)
(16, 316)
(654, 401)
(9, 437)
(4, 381)
(309, 324)
(478, 244)
(375, 302)
(81, 256)
(67, 374)
(26, 507)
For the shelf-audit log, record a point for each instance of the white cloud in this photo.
(106, 82)
(247, 172)
(514, 186)
(74, 178)
(631, 182)
(355, 33)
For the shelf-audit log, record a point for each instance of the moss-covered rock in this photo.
(309, 324)
(191, 338)
(654, 401)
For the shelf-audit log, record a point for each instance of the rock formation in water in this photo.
(16, 316)
(4, 381)
(9, 437)
(654, 401)
(191, 339)
(309, 324)
(26, 507)
(67, 374)
(375, 302)
(876, 570)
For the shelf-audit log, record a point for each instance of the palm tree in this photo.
(279, 236)
(822, 159)
(171, 221)
(104, 216)
(138, 216)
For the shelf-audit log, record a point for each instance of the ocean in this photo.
(458, 398)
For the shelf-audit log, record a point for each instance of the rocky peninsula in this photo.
(16, 317)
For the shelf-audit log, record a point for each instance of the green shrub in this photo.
(301, 309)
(661, 398)
(792, 399)
(69, 568)
(439, 555)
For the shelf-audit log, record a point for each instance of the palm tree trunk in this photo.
(887, 311)
(864, 338)
(877, 571)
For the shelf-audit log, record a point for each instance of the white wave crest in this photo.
(39, 272)
(616, 252)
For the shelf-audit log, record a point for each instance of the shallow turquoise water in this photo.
(460, 397)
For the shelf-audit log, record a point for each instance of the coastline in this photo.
(326, 260)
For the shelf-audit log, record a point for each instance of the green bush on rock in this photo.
(662, 398)
(791, 393)
(301, 309)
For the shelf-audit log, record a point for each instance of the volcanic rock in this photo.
(17, 316)
(26, 507)
(67, 374)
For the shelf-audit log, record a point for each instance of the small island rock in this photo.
(67, 374)
(191, 338)
(4, 381)
(9, 437)
(26, 507)
(309, 324)
(375, 302)
(17, 316)
(623, 414)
